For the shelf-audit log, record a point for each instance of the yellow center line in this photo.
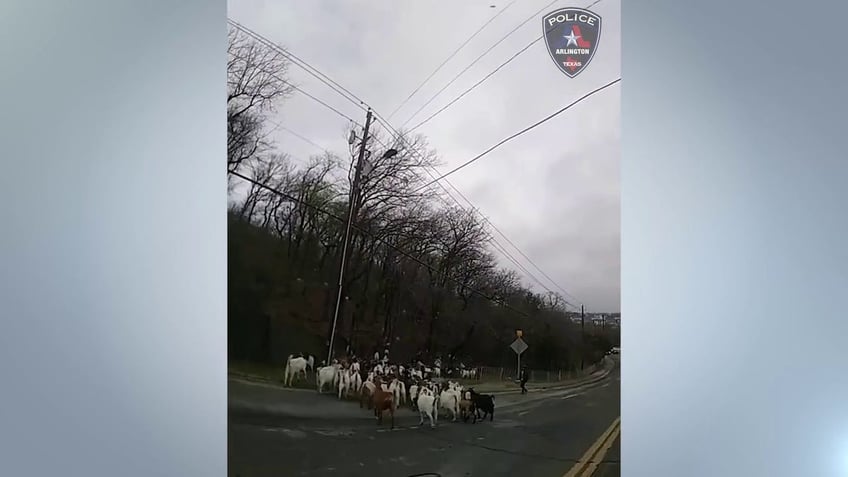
(588, 462)
(596, 461)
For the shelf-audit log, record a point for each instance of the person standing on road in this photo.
(525, 375)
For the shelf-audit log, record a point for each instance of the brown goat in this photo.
(383, 401)
(467, 408)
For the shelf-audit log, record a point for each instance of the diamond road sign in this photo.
(519, 346)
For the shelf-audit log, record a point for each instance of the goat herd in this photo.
(383, 387)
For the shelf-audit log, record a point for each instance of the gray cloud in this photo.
(555, 191)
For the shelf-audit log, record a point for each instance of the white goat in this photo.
(449, 399)
(356, 381)
(326, 376)
(294, 366)
(344, 383)
(398, 390)
(427, 406)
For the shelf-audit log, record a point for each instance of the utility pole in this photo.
(582, 338)
(354, 191)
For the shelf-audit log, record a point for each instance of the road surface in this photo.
(540, 438)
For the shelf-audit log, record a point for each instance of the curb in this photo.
(591, 379)
(557, 387)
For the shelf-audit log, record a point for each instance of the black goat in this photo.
(483, 402)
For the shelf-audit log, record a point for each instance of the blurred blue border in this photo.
(733, 239)
(113, 276)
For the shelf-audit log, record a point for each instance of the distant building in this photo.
(612, 320)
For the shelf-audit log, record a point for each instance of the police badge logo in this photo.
(572, 36)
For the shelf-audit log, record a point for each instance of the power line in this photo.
(348, 95)
(476, 60)
(298, 88)
(492, 239)
(502, 249)
(528, 128)
(329, 82)
(499, 247)
(443, 176)
(475, 85)
(377, 239)
(534, 265)
(329, 107)
(449, 58)
(303, 138)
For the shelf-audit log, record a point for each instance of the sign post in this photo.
(519, 346)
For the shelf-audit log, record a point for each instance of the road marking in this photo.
(523, 413)
(294, 433)
(588, 463)
(570, 396)
(599, 457)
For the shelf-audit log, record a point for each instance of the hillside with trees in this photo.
(422, 274)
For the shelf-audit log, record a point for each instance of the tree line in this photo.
(421, 276)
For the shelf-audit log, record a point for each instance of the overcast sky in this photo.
(554, 191)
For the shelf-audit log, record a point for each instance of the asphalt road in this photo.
(539, 438)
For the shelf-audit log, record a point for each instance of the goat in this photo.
(366, 395)
(427, 406)
(294, 366)
(344, 383)
(398, 390)
(326, 375)
(383, 401)
(356, 381)
(413, 395)
(449, 399)
(467, 407)
(483, 402)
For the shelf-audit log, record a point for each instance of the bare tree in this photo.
(553, 301)
(414, 261)
(459, 240)
(268, 171)
(255, 83)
